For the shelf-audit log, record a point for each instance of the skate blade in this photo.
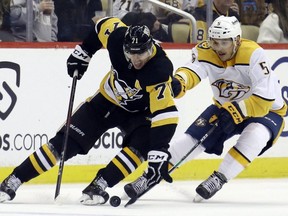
(130, 202)
(4, 197)
(86, 200)
(198, 198)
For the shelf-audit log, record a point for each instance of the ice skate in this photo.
(137, 187)
(94, 193)
(210, 186)
(8, 188)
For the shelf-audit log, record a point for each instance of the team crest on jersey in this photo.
(122, 91)
(230, 89)
(204, 45)
(200, 122)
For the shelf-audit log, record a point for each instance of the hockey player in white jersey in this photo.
(247, 98)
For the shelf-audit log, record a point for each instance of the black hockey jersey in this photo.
(147, 89)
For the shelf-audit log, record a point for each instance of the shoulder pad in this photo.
(106, 26)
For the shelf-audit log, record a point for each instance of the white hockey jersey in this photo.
(247, 78)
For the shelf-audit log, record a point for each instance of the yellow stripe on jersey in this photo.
(205, 53)
(282, 112)
(120, 167)
(239, 157)
(167, 118)
(160, 96)
(35, 164)
(190, 77)
(154, 51)
(107, 27)
(50, 155)
(165, 122)
(245, 51)
(133, 156)
(279, 133)
(243, 55)
(257, 107)
(161, 99)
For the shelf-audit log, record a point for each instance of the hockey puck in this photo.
(115, 201)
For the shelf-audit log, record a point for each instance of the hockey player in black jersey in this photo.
(134, 96)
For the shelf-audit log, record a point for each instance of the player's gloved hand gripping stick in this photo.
(134, 199)
(68, 121)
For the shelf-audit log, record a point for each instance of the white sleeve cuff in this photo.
(243, 108)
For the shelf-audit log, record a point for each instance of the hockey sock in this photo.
(251, 142)
(123, 164)
(234, 163)
(37, 163)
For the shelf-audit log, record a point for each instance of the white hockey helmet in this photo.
(225, 27)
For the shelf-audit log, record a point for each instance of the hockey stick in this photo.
(68, 121)
(134, 199)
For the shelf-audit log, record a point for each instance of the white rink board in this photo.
(43, 95)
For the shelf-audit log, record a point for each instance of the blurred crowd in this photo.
(264, 21)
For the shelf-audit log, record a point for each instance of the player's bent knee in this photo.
(72, 150)
(179, 147)
(253, 139)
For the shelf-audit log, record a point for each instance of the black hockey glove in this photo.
(78, 60)
(230, 115)
(157, 167)
(178, 86)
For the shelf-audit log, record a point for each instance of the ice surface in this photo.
(256, 197)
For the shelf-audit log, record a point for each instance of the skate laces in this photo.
(12, 182)
(214, 182)
(100, 183)
(95, 193)
(140, 185)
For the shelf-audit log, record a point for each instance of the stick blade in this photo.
(131, 201)
(56, 195)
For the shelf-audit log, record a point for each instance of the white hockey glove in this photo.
(157, 167)
(78, 60)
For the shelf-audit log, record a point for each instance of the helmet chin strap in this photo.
(235, 48)
(130, 65)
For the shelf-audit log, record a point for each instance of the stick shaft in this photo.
(66, 135)
(194, 147)
(134, 199)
